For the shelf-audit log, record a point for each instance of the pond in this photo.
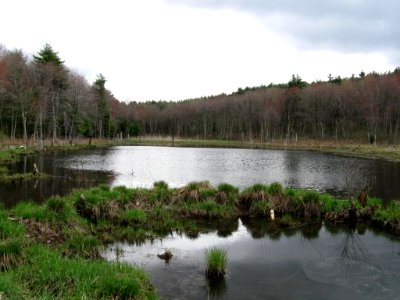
(311, 262)
(140, 166)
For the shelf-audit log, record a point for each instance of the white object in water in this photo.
(272, 214)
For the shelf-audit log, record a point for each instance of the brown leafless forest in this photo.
(40, 98)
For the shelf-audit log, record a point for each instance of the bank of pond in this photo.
(56, 249)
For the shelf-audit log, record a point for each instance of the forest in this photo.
(42, 99)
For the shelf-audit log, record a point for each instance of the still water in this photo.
(140, 166)
(313, 262)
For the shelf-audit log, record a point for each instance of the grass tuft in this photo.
(216, 260)
(275, 188)
(160, 185)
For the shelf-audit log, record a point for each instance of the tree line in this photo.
(40, 98)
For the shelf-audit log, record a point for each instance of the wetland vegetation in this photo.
(52, 249)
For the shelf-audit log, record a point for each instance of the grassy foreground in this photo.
(52, 250)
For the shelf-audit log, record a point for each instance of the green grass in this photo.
(256, 188)
(63, 235)
(133, 216)
(83, 245)
(216, 260)
(14, 153)
(389, 214)
(11, 241)
(48, 275)
(275, 188)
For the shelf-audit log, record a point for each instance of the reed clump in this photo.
(216, 260)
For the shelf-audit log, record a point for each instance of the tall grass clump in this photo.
(160, 185)
(57, 208)
(193, 192)
(312, 205)
(226, 193)
(257, 192)
(29, 210)
(133, 216)
(216, 260)
(275, 188)
(82, 245)
(390, 213)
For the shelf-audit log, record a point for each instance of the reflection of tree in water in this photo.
(311, 230)
(258, 228)
(216, 288)
(352, 247)
(224, 228)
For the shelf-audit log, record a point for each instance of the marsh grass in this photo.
(255, 193)
(81, 245)
(275, 188)
(47, 275)
(133, 216)
(390, 213)
(11, 242)
(226, 193)
(193, 192)
(312, 204)
(216, 260)
(67, 232)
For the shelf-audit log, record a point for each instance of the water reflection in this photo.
(309, 262)
(216, 288)
(63, 180)
(141, 166)
(137, 166)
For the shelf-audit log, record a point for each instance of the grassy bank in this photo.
(52, 250)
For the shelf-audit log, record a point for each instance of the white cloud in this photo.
(156, 50)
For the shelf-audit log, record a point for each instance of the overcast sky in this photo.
(178, 49)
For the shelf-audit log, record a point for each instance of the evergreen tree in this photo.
(48, 55)
(53, 83)
(103, 114)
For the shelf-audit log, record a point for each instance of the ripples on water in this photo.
(140, 166)
(265, 263)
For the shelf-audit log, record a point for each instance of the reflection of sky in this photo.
(140, 166)
(147, 253)
(289, 268)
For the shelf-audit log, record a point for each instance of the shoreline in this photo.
(67, 233)
(13, 150)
